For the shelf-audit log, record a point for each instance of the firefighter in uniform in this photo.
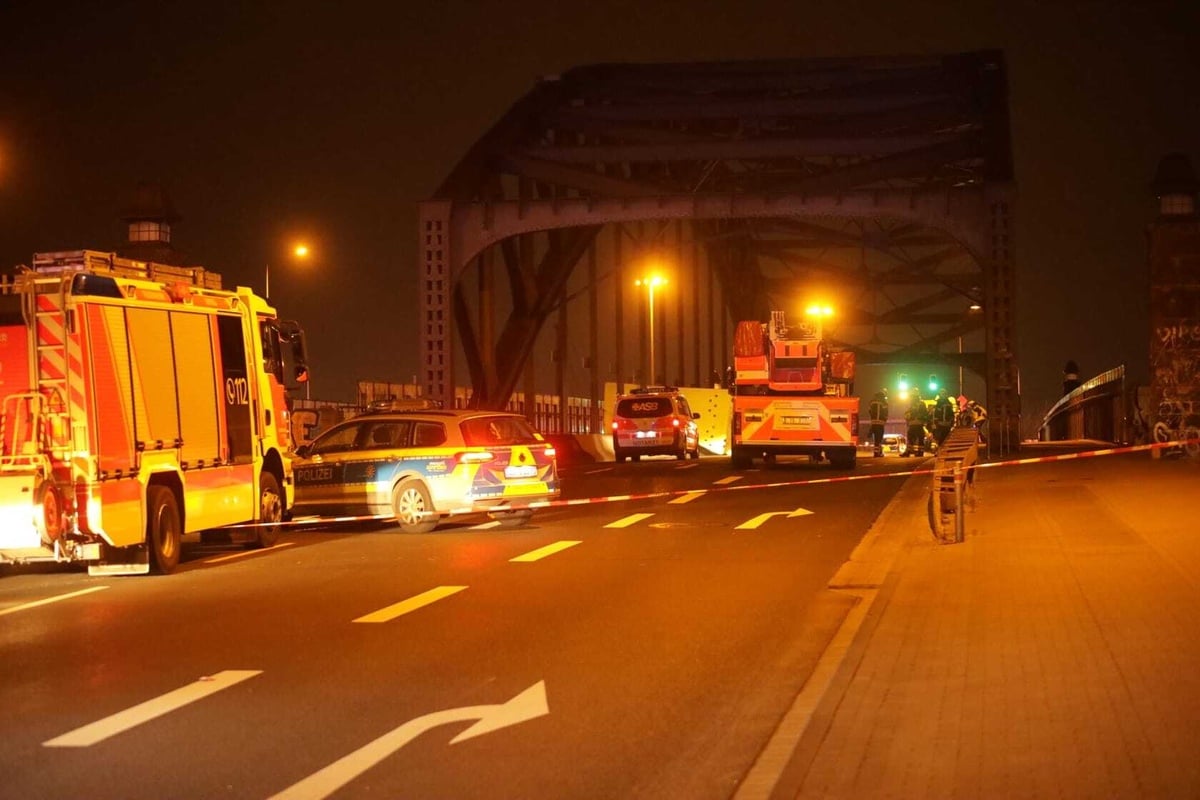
(877, 412)
(943, 417)
(917, 417)
(978, 417)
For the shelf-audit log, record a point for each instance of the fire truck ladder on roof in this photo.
(44, 303)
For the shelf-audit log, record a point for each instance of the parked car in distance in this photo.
(422, 466)
(654, 421)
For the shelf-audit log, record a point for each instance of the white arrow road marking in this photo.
(542, 552)
(727, 479)
(753, 523)
(625, 522)
(49, 600)
(411, 604)
(687, 498)
(527, 705)
(122, 721)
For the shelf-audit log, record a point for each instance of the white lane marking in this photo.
(483, 526)
(529, 704)
(687, 498)
(689, 465)
(411, 604)
(49, 600)
(625, 522)
(597, 471)
(542, 552)
(122, 721)
(727, 479)
(245, 553)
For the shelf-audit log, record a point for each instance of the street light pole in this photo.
(650, 283)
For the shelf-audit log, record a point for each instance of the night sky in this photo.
(331, 121)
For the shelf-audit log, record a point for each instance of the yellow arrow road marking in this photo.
(625, 522)
(411, 604)
(754, 522)
(542, 552)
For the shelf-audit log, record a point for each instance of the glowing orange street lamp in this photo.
(299, 250)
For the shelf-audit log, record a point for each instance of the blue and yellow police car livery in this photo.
(422, 466)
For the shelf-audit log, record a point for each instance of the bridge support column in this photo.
(436, 343)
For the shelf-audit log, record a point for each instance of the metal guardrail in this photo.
(953, 479)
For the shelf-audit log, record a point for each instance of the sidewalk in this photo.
(1054, 653)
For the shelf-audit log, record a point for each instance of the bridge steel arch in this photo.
(889, 179)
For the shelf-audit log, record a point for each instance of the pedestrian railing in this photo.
(953, 478)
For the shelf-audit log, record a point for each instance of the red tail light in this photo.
(549, 452)
(737, 423)
(675, 422)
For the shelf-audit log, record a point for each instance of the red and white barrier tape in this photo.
(620, 498)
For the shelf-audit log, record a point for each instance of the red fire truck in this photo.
(791, 395)
(142, 406)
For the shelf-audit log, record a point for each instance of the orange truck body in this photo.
(125, 380)
(791, 396)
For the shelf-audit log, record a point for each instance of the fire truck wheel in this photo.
(163, 529)
(270, 512)
(413, 508)
(50, 524)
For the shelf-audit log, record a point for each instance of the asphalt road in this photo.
(648, 646)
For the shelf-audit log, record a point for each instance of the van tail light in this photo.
(475, 457)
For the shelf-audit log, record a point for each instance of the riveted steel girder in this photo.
(889, 179)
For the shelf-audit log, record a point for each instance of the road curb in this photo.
(870, 575)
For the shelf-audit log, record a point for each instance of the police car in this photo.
(654, 420)
(422, 466)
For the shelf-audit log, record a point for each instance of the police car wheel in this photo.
(511, 519)
(413, 507)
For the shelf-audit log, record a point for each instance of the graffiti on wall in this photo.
(1175, 378)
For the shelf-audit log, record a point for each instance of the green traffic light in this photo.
(933, 383)
(902, 383)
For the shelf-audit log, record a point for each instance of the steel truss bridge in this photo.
(883, 186)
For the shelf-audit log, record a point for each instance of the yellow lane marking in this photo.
(48, 600)
(144, 712)
(687, 498)
(625, 522)
(411, 604)
(542, 552)
(727, 479)
(245, 553)
(483, 526)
